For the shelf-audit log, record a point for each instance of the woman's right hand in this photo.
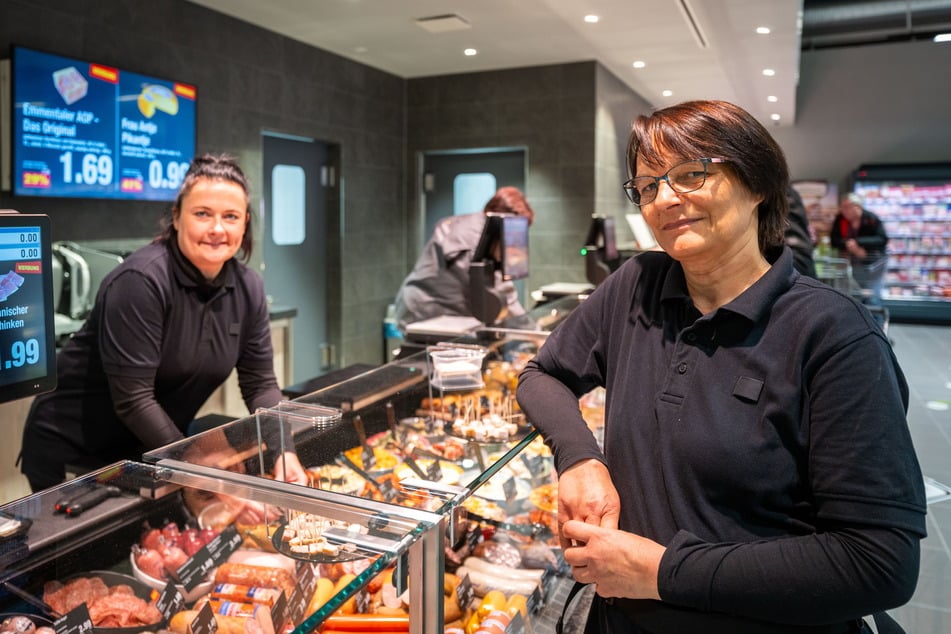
(586, 493)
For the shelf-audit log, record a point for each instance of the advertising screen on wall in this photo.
(88, 130)
(27, 345)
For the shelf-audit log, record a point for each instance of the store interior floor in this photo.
(924, 353)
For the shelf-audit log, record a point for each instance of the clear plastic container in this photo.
(456, 367)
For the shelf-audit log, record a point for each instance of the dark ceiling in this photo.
(831, 23)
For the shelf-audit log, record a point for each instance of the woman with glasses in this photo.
(757, 473)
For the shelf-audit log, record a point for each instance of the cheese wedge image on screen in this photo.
(155, 97)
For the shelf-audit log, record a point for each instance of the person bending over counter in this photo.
(168, 326)
(439, 282)
(757, 472)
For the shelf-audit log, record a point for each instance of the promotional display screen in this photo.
(27, 347)
(88, 130)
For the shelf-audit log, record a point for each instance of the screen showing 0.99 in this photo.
(27, 348)
(88, 130)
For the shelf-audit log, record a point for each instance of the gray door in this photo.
(295, 244)
(441, 171)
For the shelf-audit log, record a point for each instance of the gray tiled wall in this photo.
(250, 80)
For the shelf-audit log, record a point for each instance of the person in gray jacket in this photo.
(439, 282)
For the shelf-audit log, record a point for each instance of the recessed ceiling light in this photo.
(772, 99)
(591, 18)
(668, 93)
(775, 117)
(942, 37)
(639, 64)
(763, 30)
(769, 72)
(470, 52)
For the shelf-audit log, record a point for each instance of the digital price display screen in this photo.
(27, 340)
(88, 130)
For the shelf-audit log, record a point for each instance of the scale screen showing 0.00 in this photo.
(22, 320)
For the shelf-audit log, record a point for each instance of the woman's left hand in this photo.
(620, 564)
(289, 469)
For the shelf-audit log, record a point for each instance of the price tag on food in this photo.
(204, 622)
(464, 593)
(516, 625)
(537, 469)
(387, 490)
(280, 613)
(76, 621)
(368, 458)
(170, 601)
(434, 471)
(298, 604)
(362, 600)
(307, 577)
(510, 489)
(195, 570)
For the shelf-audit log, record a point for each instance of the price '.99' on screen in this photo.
(166, 175)
(89, 169)
(22, 353)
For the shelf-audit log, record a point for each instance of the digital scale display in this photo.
(27, 343)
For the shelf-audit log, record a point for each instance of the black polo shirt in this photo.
(779, 415)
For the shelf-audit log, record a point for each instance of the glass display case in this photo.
(438, 486)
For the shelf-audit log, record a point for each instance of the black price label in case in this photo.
(387, 490)
(170, 601)
(298, 604)
(464, 593)
(516, 625)
(280, 612)
(368, 457)
(362, 600)
(510, 489)
(205, 622)
(196, 569)
(434, 471)
(76, 621)
(307, 577)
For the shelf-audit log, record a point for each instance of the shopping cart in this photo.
(837, 273)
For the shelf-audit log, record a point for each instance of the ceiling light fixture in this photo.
(775, 117)
(470, 52)
(639, 64)
(763, 30)
(772, 99)
(591, 18)
(443, 23)
(942, 37)
(668, 93)
(769, 72)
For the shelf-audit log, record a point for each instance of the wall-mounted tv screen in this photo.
(27, 346)
(89, 130)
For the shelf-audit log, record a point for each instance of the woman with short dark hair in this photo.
(757, 473)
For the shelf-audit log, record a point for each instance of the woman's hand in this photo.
(288, 468)
(587, 494)
(620, 564)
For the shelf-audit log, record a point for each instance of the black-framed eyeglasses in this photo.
(682, 178)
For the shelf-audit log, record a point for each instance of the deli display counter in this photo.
(429, 504)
